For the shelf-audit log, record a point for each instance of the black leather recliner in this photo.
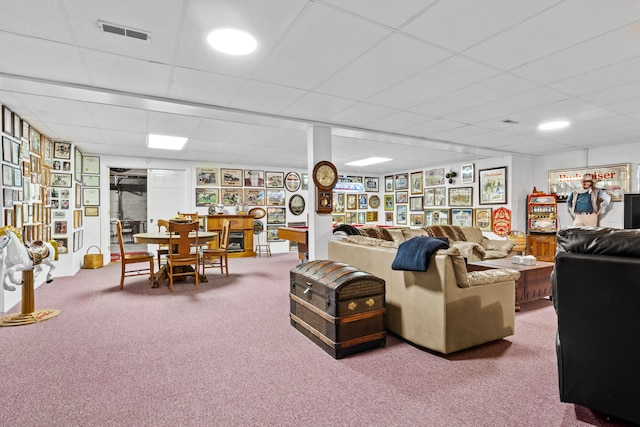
(596, 294)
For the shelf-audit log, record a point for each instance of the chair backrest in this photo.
(226, 234)
(120, 240)
(163, 225)
(179, 236)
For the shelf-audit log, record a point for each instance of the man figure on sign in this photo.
(587, 203)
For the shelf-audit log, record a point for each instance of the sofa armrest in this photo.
(479, 278)
(471, 251)
(498, 245)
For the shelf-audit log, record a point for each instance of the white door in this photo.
(167, 193)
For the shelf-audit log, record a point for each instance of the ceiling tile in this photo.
(317, 106)
(388, 13)
(360, 114)
(265, 97)
(204, 87)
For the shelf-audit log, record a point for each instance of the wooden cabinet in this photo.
(241, 226)
(542, 246)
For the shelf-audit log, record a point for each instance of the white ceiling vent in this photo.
(124, 31)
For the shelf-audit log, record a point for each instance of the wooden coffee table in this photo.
(534, 282)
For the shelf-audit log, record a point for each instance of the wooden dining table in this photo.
(162, 238)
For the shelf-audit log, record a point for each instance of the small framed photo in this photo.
(90, 164)
(363, 201)
(6, 149)
(402, 197)
(416, 182)
(61, 179)
(362, 217)
(338, 202)
(77, 194)
(462, 217)
(254, 196)
(8, 217)
(231, 177)
(207, 176)
(253, 178)
(61, 150)
(436, 217)
(467, 173)
(388, 183)
(7, 175)
(371, 184)
(388, 202)
(401, 182)
(305, 181)
(91, 180)
(461, 196)
(231, 196)
(63, 244)
(434, 177)
(483, 218)
(48, 153)
(91, 196)
(275, 198)
(493, 186)
(91, 211)
(415, 203)
(60, 227)
(77, 162)
(272, 233)
(274, 179)
(416, 220)
(401, 214)
(352, 202)
(276, 215)
(292, 181)
(15, 153)
(206, 196)
(372, 216)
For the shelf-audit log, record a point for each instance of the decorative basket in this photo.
(93, 260)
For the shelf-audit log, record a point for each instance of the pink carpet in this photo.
(226, 355)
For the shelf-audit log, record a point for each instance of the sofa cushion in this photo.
(453, 232)
(415, 254)
(473, 234)
(377, 232)
(396, 235)
(495, 254)
(410, 233)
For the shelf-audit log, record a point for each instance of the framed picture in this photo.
(91, 180)
(615, 180)
(61, 150)
(231, 177)
(363, 201)
(292, 181)
(374, 201)
(90, 164)
(77, 194)
(429, 197)
(493, 186)
(77, 162)
(352, 202)
(467, 173)
(61, 179)
(77, 218)
(8, 217)
(231, 196)
(388, 202)
(416, 220)
(415, 203)
(440, 196)
(372, 216)
(207, 176)
(416, 182)
(18, 216)
(254, 196)
(7, 175)
(401, 181)
(77, 240)
(91, 196)
(17, 177)
(436, 217)
(483, 218)
(274, 179)
(351, 218)
(338, 202)
(59, 227)
(7, 120)
(402, 197)
(461, 196)
(462, 217)
(15, 152)
(388, 183)
(434, 177)
(337, 219)
(91, 211)
(272, 233)
(253, 178)
(48, 153)
(275, 197)
(63, 244)
(401, 214)
(6, 149)
(206, 196)
(296, 204)
(388, 218)
(371, 184)
(362, 217)
(276, 215)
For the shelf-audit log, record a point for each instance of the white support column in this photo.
(320, 226)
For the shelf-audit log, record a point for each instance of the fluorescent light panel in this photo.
(232, 42)
(165, 142)
(369, 161)
(559, 124)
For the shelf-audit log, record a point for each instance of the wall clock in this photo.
(325, 175)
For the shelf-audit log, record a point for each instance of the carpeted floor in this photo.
(226, 355)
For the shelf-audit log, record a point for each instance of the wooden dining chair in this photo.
(163, 249)
(214, 257)
(181, 256)
(129, 258)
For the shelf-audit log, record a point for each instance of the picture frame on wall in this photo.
(416, 220)
(253, 178)
(61, 179)
(274, 179)
(61, 150)
(7, 120)
(63, 244)
(371, 184)
(401, 181)
(254, 196)
(230, 196)
(77, 163)
(206, 196)
(91, 180)
(416, 182)
(415, 203)
(483, 218)
(91, 211)
(493, 186)
(91, 196)
(231, 177)
(462, 217)
(48, 153)
(401, 214)
(467, 173)
(292, 181)
(615, 180)
(207, 176)
(275, 197)
(6, 149)
(388, 202)
(388, 183)
(90, 164)
(276, 215)
(434, 177)
(461, 196)
(436, 217)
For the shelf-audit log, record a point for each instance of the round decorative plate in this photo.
(257, 213)
(292, 181)
(296, 204)
(374, 201)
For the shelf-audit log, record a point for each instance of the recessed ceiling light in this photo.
(553, 125)
(368, 161)
(232, 42)
(164, 142)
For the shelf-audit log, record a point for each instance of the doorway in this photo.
(127, 203)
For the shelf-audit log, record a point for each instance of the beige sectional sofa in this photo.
(445, 308)
(473, 245)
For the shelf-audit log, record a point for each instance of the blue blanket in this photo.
(415, 253)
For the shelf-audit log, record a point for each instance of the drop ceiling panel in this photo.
(170, 124)
(388, 13)
(398, 121)
(265, 97)
(124, 139)
(258, 135)
(57, 110)
(37, 19)
(316, 106)
(321, 42)
(431, 127)
(203, 87)
(113, 117)
(360, 114)
(603, 78)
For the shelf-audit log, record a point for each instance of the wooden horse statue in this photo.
(20, 257)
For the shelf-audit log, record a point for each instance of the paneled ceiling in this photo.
(423, 82)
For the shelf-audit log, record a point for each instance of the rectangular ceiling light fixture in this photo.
(164, 142)
(369, 161)
(124, 31)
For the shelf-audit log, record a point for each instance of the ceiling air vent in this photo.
(124, 31)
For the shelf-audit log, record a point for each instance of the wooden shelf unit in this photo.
(243, 223)
(542, 246)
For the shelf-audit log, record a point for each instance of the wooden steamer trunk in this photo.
(338, 307)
